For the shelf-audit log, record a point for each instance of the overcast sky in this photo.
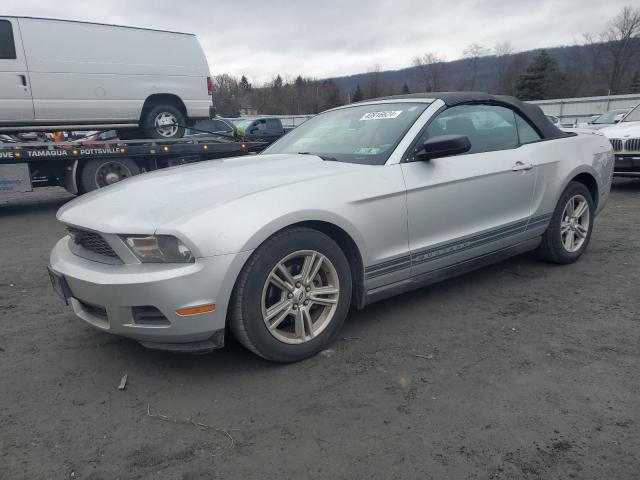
(325, 38)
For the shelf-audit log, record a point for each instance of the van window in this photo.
(7, 46)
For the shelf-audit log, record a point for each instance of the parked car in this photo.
(216, 126)
(266, 130)
(97, 139)
(67, 75)
(625, 139)
(554, 120)
(606, 119)
(357, 204)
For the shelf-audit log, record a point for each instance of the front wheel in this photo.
(292, 297)
(571, 225)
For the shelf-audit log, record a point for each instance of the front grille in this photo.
(616, 143)
(91, 241)
(632, 145)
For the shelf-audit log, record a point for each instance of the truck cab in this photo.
(267, 129)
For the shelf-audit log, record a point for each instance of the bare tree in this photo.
(430, 70)
(472, 53)
(226, 94)
(375, 85)
(614, 49)
(504, 55)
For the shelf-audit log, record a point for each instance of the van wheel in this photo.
(102, 173)
(163, 122)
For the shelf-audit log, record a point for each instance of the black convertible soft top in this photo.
(531, 112)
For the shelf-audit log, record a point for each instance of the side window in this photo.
(273, 125)
(488, 127)
(526, 133)
(262, 125)
(7, 45)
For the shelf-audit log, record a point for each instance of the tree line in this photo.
(606, 63)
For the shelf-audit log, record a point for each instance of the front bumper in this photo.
(627, 165)
(108, 297)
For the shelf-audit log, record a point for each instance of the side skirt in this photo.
(444, 273)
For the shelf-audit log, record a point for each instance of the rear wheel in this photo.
(99, 173)
(163, 122)
(292, 297)
(571, 225)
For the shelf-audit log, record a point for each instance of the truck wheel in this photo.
(292, 296)
(99, 173)
(163, 122)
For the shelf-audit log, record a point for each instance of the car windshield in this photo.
(609, 117)
(633, 116)
(365, 134)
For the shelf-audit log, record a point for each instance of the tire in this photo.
(156, 114)
(554, 246)
(99, 173)
(256, 296)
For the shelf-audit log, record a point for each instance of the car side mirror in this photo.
(444, 146)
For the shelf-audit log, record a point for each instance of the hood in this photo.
(581, 131)
(144, 203)
(623, 130)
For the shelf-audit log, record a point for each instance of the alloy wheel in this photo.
(575, 223)
(300, 297)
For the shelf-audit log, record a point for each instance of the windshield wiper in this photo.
(323, 157)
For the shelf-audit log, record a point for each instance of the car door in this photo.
(463, 206)
(274, 129)
(15, 88)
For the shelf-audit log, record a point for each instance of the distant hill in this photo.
(570, 58)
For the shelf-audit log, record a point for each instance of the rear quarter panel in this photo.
(559, 161)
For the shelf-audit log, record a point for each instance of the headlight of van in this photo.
(159, 249)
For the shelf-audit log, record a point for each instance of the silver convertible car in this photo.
(357, 204)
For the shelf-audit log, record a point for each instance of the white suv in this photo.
(625, 139)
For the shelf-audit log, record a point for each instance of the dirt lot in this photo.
(520, 370)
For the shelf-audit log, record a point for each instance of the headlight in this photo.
(159, 249)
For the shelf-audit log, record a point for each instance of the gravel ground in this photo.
(520, 370)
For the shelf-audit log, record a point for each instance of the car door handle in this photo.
(519, 166)
(23, 80)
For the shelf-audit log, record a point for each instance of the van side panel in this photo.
(88, 72)
(15, 86)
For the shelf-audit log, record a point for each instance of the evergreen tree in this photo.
(405, 89)
(277, 82)
(245, 86)
(541, 80)
(357, 95)
(634, 87)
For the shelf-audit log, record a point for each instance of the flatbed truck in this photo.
(82, 167)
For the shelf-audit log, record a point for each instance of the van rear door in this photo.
(15, 87)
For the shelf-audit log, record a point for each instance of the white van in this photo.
(63, 75)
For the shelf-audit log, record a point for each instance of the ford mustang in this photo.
(357, 204)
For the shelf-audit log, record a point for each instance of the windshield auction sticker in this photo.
(381, 115)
